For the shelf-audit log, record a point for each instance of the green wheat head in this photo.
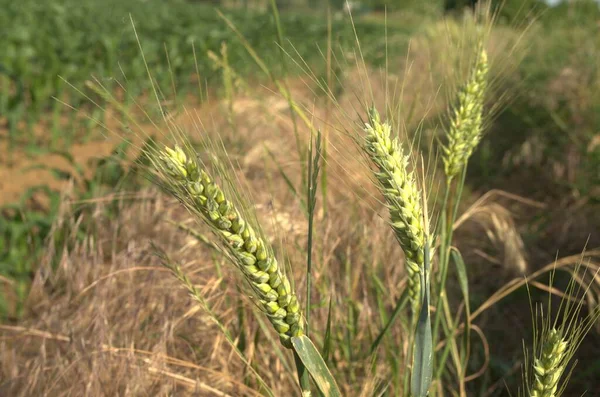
(466, 126)
(183, 177)
(556, 340)
(551, 364)
(402, 196)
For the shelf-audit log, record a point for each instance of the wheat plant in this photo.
(403, 199)
(184, 178)
(551, 364)
(182, 175)
(555, 342)
(179, 171)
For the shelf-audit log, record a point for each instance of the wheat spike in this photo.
(402, 196)
(466, 126)
(550, 365)
(199, 193)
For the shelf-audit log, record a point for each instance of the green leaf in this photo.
(463, 280)
(327, 341)
(316, 366)
(400, 304)
(423, 353)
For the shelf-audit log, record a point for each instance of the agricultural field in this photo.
(287, 198)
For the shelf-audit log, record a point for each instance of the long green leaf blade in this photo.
(316, 366)
(461, 271)
(423, 353)
(400, 304)
(327, 339)
(463, 280)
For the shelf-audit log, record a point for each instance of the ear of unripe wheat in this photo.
(199, 193)
(551, 364)
(402, 196)
(466, 124)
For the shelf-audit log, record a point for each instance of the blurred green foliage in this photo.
(507, 10)
(23, 231)
(28, 228)
(47, 42)
(551, 128)
(399, 5)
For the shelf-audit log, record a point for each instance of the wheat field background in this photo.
(91, 95)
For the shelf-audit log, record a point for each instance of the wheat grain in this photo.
(403, 198)
(193, 186)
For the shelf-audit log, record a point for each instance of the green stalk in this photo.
(445, 352)
(314, 157)
(443, 251)
(311, 199)
(400, 304)
(445, 244)
(311, 211)
(287, 92)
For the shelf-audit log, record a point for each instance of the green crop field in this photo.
(49, 44)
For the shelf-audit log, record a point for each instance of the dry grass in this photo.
(113, 320)
(110, 321)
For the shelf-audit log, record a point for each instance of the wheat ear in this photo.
(550, 365)
(466, 126)
(198, 192)
(403, 199)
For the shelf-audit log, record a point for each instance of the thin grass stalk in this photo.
(327, 113)
(400, 304)
(288, 95)
(444, 250)
(313, 171)
(440, 368)
(197, 296)
(450, 329)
